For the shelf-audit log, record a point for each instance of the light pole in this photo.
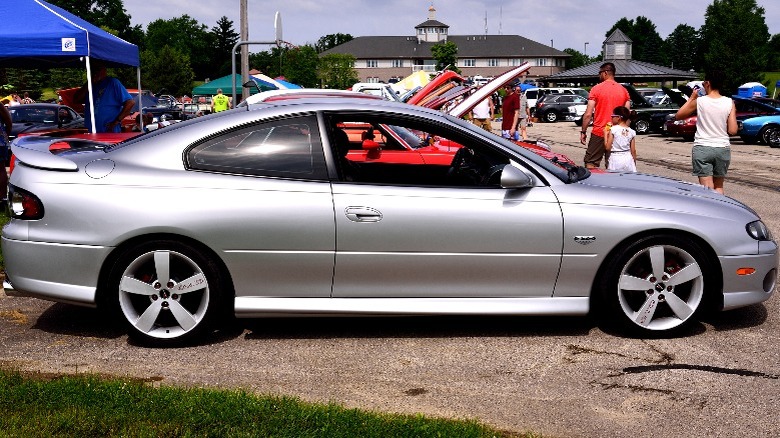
(586, 49)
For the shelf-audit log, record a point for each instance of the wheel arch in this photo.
(714, 291)
(113, 257)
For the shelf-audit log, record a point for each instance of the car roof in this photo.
(301, 93)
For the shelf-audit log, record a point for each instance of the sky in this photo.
(560, 23)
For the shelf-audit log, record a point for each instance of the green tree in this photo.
(446, 56)
(773, 61)
(576, 59)
(300, 66)
(332, 40)
(188, 37)
(337, 71)
(682, 47)
(108, 14)
(225, 37)
(736, 41)
(166, 69)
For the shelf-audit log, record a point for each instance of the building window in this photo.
(517, 61)
(541, 62)
(397, 63)
(371, 63)
(492, 62)
(373, 80)
(469, 62)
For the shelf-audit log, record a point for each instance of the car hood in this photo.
(665, 193)
(488, 89)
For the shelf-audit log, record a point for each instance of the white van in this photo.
(533, 94)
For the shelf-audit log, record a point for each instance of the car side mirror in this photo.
(370, 145)
(514, 178)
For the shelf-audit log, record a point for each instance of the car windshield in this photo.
(410, 138)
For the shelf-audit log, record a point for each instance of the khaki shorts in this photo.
(522, 123)
(596, 151)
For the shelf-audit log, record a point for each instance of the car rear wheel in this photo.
(167, 293)
(642, 126)
(656, 285)
(551, 117)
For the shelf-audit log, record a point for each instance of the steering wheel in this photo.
(464, 167)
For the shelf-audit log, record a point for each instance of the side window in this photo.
(288, 148)
(408, 152)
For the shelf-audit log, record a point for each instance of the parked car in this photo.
(649, 93)
(555, 107)
(534, 94)
(38, 117)
(268, 218)
(650, 117)
(760, 129)
(747, 108)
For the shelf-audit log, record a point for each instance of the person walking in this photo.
(620, 141)
(510, 109)
(112, 101)
(716, 122)
(220, 102)
(523, 114)
(603, 98)
(482, 114)
(27, 99)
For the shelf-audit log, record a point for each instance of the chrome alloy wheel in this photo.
(163, 294)
(660, 287)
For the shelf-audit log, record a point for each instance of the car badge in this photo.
(584, 240)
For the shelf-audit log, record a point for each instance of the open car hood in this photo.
(488, 89)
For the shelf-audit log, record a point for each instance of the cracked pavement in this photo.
(558, 376)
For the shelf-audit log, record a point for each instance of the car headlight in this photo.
(758, 231)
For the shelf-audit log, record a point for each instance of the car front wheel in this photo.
(656, 285)
(167, 293)
(767, 133)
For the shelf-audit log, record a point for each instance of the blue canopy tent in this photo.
(37, 34)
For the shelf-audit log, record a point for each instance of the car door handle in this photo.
(363, 214)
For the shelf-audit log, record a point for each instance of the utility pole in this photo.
(245, 92)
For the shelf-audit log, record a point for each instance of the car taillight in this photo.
(23, 204)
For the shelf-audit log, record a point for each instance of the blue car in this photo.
(760, 129)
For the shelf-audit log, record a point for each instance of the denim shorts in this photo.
(710, 161)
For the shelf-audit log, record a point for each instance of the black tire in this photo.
(550, 117)
(642, 126)
(175, 311)
(767, 132)
(643, 302)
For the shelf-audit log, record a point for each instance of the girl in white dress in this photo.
(620, 142)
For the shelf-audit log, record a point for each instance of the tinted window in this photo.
(282, 148)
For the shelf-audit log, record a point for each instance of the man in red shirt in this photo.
(602, 100)
(510, 110)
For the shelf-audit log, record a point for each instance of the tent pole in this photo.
(89, 95)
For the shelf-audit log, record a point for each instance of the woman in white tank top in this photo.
(716, 122)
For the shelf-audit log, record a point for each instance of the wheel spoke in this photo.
(688, 273)
(195, 283)
(657, 260)
(680, 308)
(629, 282)
(162, 264)
(644, 316)
(135, 286)
(146, 321)
(182, 315)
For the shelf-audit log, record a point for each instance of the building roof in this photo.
(431, 23)
(627, 70)
(617, 37)
(469, 46)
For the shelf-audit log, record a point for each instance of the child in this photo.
(620, 142)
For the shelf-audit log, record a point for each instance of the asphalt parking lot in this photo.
(562, 377)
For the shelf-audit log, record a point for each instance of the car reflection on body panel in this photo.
(259, 211)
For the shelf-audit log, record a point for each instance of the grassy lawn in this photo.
(64, 406)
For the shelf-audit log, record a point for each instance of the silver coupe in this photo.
(258, 211)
